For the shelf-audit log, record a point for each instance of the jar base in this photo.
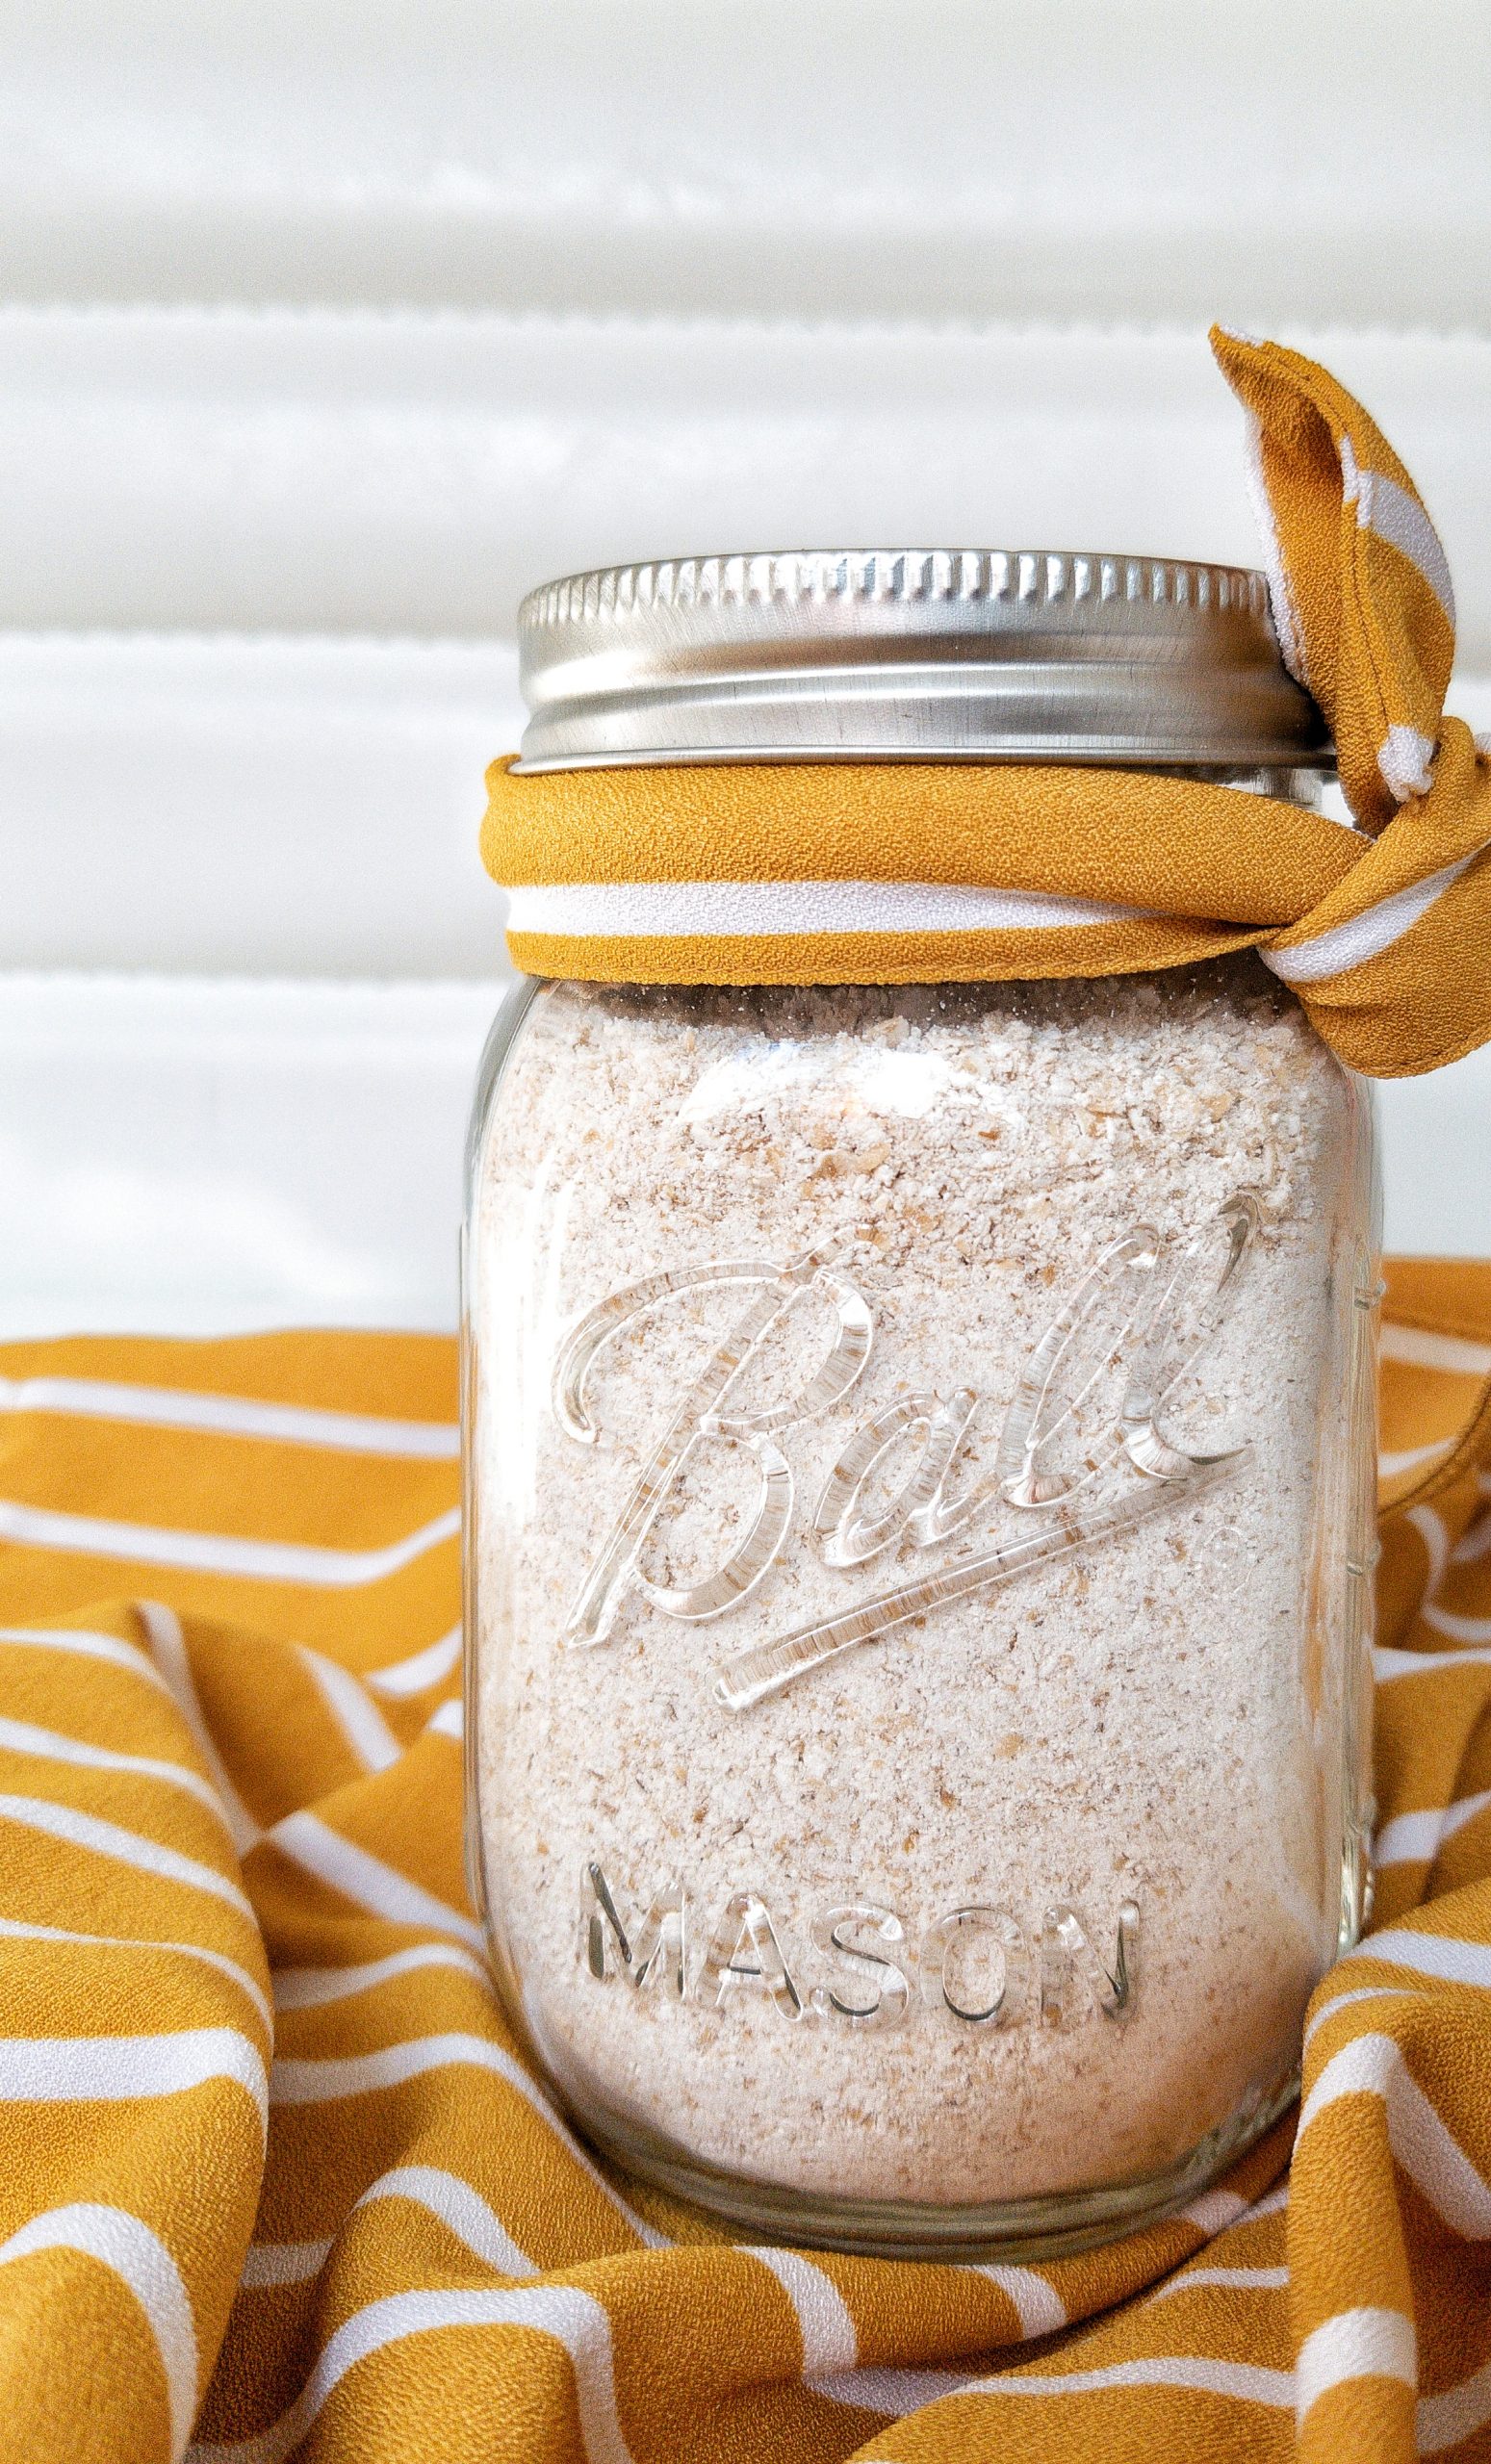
(1018, 2232)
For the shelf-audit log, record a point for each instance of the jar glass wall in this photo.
(919, 1462)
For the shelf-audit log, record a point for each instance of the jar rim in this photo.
(932, 654)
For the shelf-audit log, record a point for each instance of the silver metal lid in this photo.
(815, 654)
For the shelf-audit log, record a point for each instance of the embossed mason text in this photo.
(860, 1963)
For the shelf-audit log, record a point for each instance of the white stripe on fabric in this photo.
(1364, 2067)
(312, 2081)
(880, 2388)
(1389, 1664)
(365, 1879)
(324, 2079)
(1281, 597)
(270, 2263)
(1460, 1629)
(1444, 2419)
(1038, 2305)
(829, 2341)
(1356, 2344)
(1248, 2383)
(1405, 760)
(1231, 2279)
(1272, 2203)
(118, 2241)
(448, 1721)
(418, 1674)
(18, 1736)
(574, 2319)
(670, 910)
(232, 1416)
(90, 1646)
(1421, 1347)
(1416, 1838)
(13, 1929)
(130, 1847)
(1474, 1543)
(358, 1718)
(1454, 1963)
(1345, 2001)
(212, 1552)
(460, 2209)
(1391, 1467)
(306, 1988)
(1214, 2211)
(1422, 2144)
(1368, 934)
(75, 2071)
(168, 1650)
(1388, 510)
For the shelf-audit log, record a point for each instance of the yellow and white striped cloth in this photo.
(908, 872)
(275, 2182)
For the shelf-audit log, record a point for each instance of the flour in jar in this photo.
(790, 1304)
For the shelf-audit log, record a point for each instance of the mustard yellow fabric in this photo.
(276, 2183)
(655, 875)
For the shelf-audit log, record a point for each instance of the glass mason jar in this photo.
(919, 1462)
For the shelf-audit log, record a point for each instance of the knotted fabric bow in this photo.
(911, 872)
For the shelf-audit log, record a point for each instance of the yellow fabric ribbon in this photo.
(887, 872)
(231, 1894)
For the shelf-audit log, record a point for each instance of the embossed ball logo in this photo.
(1135, 1323)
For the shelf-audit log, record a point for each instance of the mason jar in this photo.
(919, 1453)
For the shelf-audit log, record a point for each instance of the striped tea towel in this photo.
(275, 2182)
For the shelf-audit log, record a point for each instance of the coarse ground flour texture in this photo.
(1153, 1720)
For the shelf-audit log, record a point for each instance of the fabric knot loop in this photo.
(926, 872)
(1390, 964)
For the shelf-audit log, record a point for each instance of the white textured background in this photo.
(327, 329)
